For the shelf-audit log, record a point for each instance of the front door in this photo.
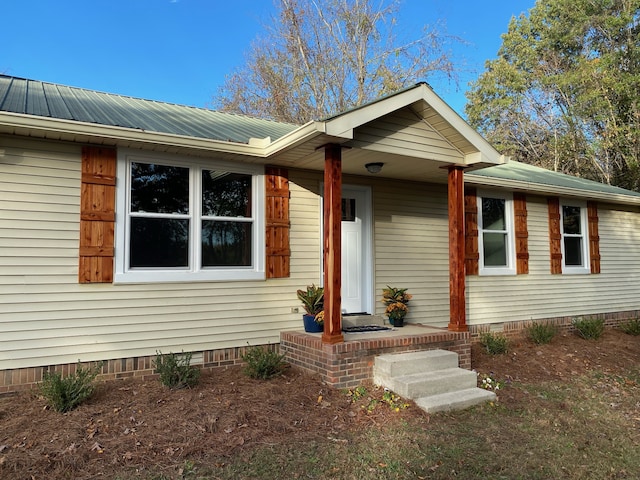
(356, 250)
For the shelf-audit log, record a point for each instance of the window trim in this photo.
(194, 273)
(510, 268)
(584, 229)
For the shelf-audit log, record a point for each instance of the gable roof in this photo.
(32, 97)
(428, 107)
(35, 108)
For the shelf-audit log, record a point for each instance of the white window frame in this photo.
(192, 273)
(510, 268)
(584, 229)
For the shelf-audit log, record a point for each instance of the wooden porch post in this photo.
(332, 244)
(457, 313)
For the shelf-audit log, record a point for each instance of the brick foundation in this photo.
(140, 367)
(516, 329)
(350, 363)
(341, 365)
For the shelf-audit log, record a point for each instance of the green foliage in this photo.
(541, 333)
(562, 92)
(632, 327)
(262, 362)
(312, 299)
(65, 393)
(175, 370)
(494, 344)
(589, 328)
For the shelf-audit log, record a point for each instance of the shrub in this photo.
(495, 344)
(262, 363)
(541, 333)
(632, 327)
(175, 370)
(66, 393)
(590, 329)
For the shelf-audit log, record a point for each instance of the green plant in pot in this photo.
(396, 300)
(312, 299)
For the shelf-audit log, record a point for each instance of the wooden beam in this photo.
(332, 244)
(457, 311)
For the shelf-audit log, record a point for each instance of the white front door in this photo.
(356, 250)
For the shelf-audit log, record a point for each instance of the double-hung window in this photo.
(495, 234)
(180, 219)
(573, 227)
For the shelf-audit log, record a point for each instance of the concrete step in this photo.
(457, 400)
(400, 364)
(431, 378)
(433, 383)
(360, 320)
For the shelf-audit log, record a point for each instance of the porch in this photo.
(349, 363)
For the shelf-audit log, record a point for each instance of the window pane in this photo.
(159, 188)
(226, 244)
(348, 209)
(493, 214)
(573, 251)
(571, 220)
(226, 194)
(495, 249)
(159, 242)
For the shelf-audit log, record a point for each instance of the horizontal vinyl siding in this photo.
(539, 294)
(404, 133)
(47, 317)
(411, 247)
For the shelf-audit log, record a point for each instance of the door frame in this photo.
(365, 192)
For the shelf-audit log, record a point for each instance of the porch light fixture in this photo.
(374, 167)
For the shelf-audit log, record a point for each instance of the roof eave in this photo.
(543, 189)
(47, 127)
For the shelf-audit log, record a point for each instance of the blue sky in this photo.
(179, 51)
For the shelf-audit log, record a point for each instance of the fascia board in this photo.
(344, 124)
(542, 189)
(90, 130)
(488, 153)
(296, 137)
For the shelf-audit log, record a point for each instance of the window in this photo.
(575, 255)
(495, 235)
(188, 220)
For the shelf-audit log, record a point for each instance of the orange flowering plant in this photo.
(396, 300)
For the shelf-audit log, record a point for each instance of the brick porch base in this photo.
(350, 363)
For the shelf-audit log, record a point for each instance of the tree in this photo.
(321, 57)
(563, 92)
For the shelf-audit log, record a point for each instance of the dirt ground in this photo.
(144, 425)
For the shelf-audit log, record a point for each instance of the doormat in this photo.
(365, 329)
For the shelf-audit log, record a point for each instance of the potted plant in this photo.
(312, 299)
(396, 300)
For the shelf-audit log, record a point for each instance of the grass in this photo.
(582, 428)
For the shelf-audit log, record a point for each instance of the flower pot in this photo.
(310, 324)
(397, 322)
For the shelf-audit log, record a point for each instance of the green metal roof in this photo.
(521, 172)
(32, 97)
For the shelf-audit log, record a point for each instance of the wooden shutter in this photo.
(278, 251)
(555, 236)
(97, 215)
(521, 233)
(471, 255)
(594, 238)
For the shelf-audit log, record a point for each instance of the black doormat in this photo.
(365, 328)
